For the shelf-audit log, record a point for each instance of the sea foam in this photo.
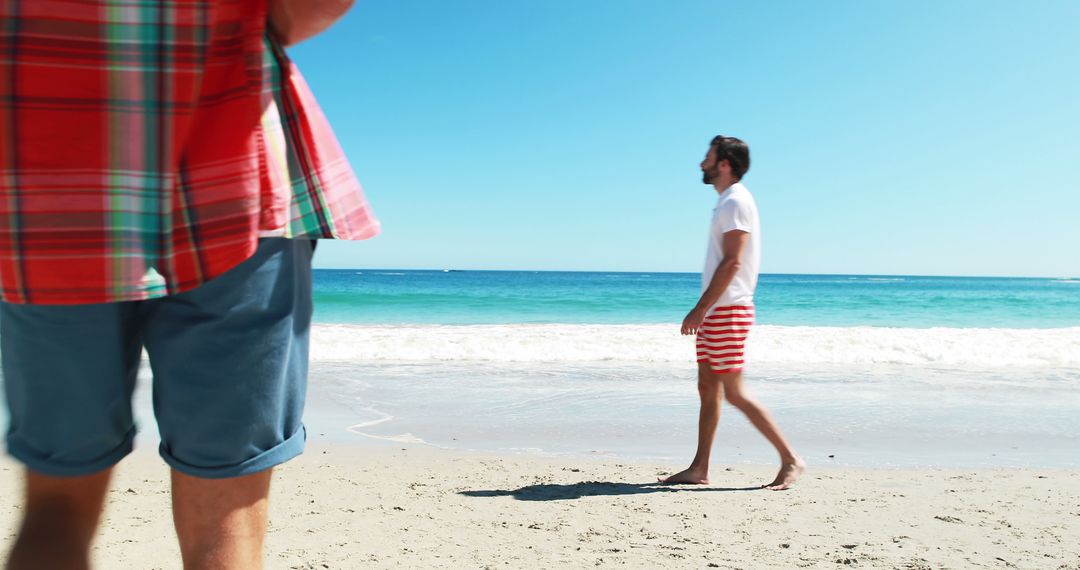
(951, 347)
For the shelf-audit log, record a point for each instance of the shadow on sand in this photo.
(597, 489)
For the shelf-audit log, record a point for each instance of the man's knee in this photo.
(709, 384)
(221, 519)
(736, 399)
(710, 387)
(67, 509)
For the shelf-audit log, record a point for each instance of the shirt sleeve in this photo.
(735, 215)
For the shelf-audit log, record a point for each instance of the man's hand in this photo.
(693, 320)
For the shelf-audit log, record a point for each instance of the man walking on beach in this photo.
(725, 312)
(164, 172)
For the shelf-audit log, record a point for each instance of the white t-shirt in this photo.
(735, 210)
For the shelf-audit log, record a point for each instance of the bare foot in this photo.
(690, 476)
(789, 472)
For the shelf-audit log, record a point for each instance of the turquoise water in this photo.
(858, 370)
(504, 297)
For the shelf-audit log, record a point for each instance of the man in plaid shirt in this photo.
(164, 171)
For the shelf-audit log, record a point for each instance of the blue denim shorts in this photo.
(229, 362)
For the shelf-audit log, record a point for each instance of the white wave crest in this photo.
(662, 343)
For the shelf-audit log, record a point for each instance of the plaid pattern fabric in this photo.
(146, 145)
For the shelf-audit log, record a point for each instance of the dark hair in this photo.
(735, 151)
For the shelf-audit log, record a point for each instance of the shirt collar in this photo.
(730, 189)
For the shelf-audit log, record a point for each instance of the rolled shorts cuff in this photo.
(719, 370)
(35, 462)
(272, 457)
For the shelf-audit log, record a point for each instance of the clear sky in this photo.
(920, 137)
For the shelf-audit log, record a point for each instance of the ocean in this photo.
(864, 371)
(881, 371)
(514, 297)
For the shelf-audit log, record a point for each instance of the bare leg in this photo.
(62, 515)
(791, 465)
(221, 523)
(711, 391)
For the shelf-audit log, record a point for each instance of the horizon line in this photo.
(455, 270)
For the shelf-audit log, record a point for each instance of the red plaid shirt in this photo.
(146, 146)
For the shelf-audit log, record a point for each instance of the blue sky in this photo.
(924, 137)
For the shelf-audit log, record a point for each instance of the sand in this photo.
(415, 507)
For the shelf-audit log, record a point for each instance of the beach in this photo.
(380, 506)
(521, 419)
(580, 285)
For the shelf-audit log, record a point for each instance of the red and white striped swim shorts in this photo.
(721, 337)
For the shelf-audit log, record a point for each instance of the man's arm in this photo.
(732, 248)
(294, 21)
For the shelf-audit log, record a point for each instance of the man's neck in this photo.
(722, 185)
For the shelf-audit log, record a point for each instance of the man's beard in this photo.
(707, 176)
